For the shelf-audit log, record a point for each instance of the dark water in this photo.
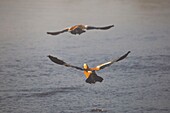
(31, 83)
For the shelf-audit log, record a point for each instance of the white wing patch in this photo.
(107, 63)
(85, 26)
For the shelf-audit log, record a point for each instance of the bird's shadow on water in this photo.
(37, 92)
(54, 91)
(51, 92)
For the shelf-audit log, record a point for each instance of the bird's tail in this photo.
(94, 78)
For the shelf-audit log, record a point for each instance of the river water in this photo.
(31, 83)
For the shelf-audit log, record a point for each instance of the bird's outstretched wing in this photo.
(58, 32)
(61, 62)
(102, 28)
(102, 66)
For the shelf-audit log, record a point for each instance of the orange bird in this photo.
(91, 76)
(79, 29)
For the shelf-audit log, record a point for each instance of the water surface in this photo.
(31, 83)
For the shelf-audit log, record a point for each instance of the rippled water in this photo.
(31, 83)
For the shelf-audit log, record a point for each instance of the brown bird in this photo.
(79, 29)
(90, 74)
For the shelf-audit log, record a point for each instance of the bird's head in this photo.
(86, 66)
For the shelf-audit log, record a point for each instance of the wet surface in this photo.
(31, 83)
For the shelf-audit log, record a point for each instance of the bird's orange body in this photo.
(77, 26)
(87, 73)
(87, 70)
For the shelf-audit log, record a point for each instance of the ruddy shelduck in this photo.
(90, 74)
(79, 29)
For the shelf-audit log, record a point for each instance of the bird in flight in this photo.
(79, 29)
(90, 74)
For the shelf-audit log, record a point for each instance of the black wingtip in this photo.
(51, 33)
(113, 25)
(124, 56)
(56, 60)
(107, 27)
(127, 53)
